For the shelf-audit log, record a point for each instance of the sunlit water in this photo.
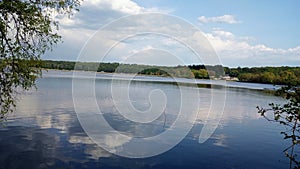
(44, 131)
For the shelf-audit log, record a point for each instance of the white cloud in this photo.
(125, 6)
(94, 14)
(232, 49)
(153, 56)
(237, 51)
(223, 34)
(220, 19)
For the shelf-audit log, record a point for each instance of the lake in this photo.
(47, 131)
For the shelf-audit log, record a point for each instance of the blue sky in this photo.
(273, 23)
(243, 33)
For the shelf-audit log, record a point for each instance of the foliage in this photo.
(289, 116)
(272, 75)
(178, 71)
(215, 71)
(201, 74)
(28, 30)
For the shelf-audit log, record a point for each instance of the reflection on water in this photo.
(44, 132)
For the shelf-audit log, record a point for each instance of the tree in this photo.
(289, 76)
(201, 74)
(267, 77)
(288, 115)
(28, 29)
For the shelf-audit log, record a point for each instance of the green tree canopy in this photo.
(28, 30)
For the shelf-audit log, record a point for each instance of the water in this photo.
(44, 131)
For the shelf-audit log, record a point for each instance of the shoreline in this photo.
(201, 83)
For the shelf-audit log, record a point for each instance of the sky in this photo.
(241, 33)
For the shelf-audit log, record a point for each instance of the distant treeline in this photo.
(272, 75)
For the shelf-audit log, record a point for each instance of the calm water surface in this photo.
(44, 131)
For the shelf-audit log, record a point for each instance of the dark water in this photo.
(45, 132)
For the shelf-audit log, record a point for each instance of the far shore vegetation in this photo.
(283, 75)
